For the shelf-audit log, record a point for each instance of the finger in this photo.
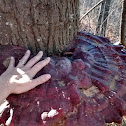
(32, 84)
(40, 80)
(34, 60)
(24, 59)
(37, 67)
(20, 71)
(10, 66)
(12, 63)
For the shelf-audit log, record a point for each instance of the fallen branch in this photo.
(91, 9)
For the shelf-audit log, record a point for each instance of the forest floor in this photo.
(89, 24)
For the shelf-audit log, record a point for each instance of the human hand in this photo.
(19, 79)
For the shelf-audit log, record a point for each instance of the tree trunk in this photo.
(46, 25)
(102, 20)
(123, 23)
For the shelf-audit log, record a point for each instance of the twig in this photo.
(91, 9)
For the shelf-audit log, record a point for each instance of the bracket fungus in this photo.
(87, 88)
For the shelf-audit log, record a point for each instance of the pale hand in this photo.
(19, 79)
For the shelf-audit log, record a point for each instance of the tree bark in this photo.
(123, 24)
(46, 25)
(102, 20)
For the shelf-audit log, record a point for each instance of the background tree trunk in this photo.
(46, 25)
(123, 24)
(102, 20)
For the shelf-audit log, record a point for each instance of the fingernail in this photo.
(12, 57)
(47, 76)
(28, 51)
(48, 58)
(40, 52)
